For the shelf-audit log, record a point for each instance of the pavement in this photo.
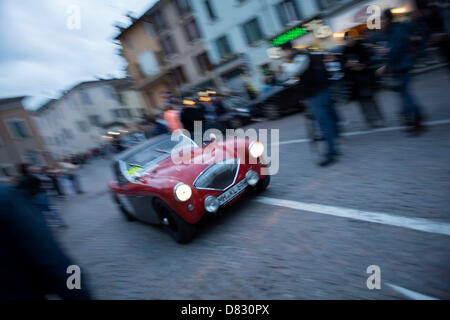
(312, 235)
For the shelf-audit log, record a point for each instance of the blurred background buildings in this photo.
(20, 140)
(179, 47)
(76, 122)
(187, 46)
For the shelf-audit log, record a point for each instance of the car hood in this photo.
(194, 162)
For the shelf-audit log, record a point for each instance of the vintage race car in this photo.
(154, 187)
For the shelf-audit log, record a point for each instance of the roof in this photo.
(46, 105)
(11, 100)
(119, 84)
(8, 102)
(143, 17)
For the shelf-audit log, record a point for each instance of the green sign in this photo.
(288, 36)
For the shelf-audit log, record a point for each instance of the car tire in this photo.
(181, 231)
(263, 184)
(123, 210)
(271, 111)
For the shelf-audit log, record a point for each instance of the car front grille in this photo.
(218, 176)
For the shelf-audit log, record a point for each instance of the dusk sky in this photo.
(40, 56)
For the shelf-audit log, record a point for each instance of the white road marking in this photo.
(419, 224)
(409, 293)
(359, 133)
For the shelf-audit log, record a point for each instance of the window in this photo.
(151, 98)
(95, 120)
(223, 47)
(149, 29)
(178, 76)
(139, 70)
(203, 62)
(183, 6)
(127, 113)
(191, 31)
(82, 126)
(287, 12)
(33, 157)
(252, 31)
(109, 93)
(148, 63)
(18, 129)
(325, 4)
(128, 44)
(120, 98)
(210, 10)
(168, 45)
(67, 134)
(160, 21)
(85, 99)
(160, 57)
(121, 113)
(139, 113)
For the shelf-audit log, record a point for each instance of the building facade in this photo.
(237, 32)
(146, 65)
(181, 39)
(76, 122)
(225, 44)
(19, 138)
(172, 43)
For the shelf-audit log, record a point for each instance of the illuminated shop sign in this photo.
(288, 36)
(319, 30)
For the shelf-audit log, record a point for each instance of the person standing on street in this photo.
(30, 186)
(319, 100)
(189, 115)
(356, 59)
(400, 61)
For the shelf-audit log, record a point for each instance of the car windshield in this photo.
(144, 158)
(235, 102)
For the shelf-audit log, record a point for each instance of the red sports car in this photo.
(154, 187)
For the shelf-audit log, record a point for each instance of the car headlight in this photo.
(256, 149)
(182, 192)
(211, 204)
(252, 178)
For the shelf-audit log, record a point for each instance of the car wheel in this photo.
(123, 209)
(271, 111)
(181, 231)
(263, 184)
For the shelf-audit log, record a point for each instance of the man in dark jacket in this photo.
(400, 61)
(315, 87)
(190, 114)
(32, 265)
(356, 60)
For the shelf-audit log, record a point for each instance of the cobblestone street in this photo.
(261, 248)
